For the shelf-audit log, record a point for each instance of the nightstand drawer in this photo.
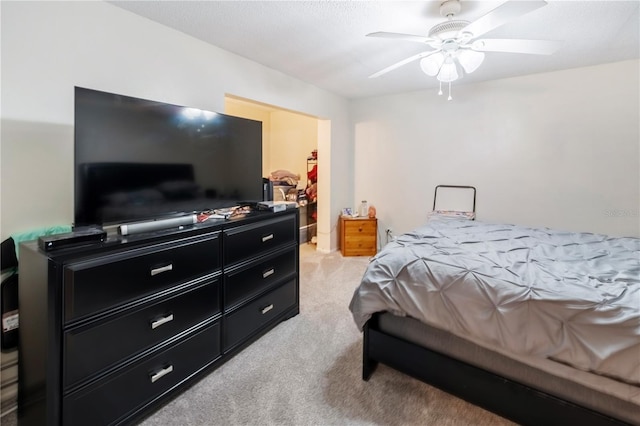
(97, 285)
(360, 243)
(243, 284)
(357, 227)
(92, 348)
(244, 242)
(250, 318)
(121, 393)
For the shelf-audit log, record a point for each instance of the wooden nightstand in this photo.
(358, 236)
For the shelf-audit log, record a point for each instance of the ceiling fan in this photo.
(457, 48)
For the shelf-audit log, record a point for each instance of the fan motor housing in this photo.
(447, 30)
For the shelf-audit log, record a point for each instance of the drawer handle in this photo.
(267, 309)
(161, 269)
(157, 323)
(267, 238)
(161, 373)
(359, 229)
(271, 271)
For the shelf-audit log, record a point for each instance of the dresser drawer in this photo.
(97, 285)
(119, 395)
(247, 241)
(90, 349)
(243, 283)
(242, 323)
(360, 227)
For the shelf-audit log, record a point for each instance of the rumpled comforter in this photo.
(570, 297)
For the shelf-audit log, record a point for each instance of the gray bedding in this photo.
(570, 297)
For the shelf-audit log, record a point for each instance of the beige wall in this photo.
(294, 136)
(253, 112)
(288, 137)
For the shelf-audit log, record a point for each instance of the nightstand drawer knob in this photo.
(157, 376)
(157, 323)
(267, 309)
(267, 238)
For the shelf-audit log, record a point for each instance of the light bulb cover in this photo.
(448, 72)
(470, 59)
(431, 64)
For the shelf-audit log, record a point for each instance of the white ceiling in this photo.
(324, 42)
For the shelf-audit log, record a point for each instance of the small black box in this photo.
(56, 241)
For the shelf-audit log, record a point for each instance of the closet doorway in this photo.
(289, 154)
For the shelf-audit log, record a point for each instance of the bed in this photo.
(537, 325)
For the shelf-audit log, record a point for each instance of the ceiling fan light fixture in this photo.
(431, 64)
(454, 42)
(470, 59)
(448, 71)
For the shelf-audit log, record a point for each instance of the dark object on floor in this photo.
(9, 296)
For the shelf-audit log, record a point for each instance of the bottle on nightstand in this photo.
(363, 210)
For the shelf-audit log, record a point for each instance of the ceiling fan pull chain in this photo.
(449, 98)
(440, 91)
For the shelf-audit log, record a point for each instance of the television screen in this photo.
(137, 159)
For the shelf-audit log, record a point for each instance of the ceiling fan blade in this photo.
(400, 36)
(401, 63)
(533, 47)
(501, 15)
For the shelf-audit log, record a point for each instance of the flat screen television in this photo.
(137, 159)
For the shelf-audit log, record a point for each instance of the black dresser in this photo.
(111, 330)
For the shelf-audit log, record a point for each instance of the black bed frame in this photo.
(505, 397)
(490, 391)
(473, 188)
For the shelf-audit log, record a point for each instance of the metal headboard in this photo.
(435, 195)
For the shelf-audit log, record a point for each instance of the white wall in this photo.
(50, 47)
(559, 149)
